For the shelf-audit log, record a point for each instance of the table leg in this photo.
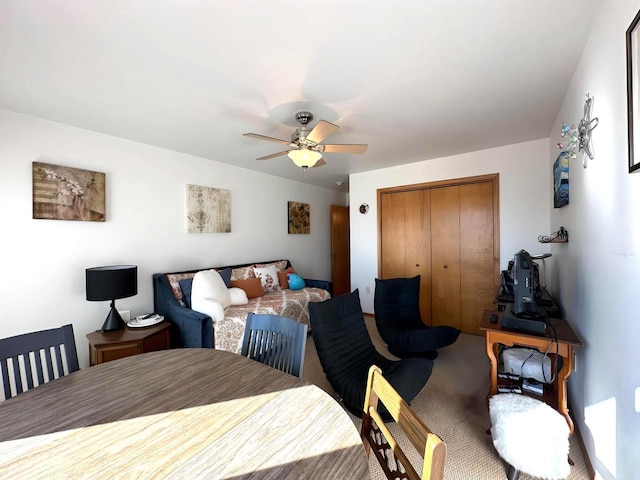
(561, 385)
(493, 373)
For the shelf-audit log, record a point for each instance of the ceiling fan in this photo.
(306, 150)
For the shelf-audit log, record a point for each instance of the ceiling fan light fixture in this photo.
(304, 157)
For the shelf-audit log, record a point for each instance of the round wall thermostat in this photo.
(364, 208)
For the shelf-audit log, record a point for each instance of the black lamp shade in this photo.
(112, 282)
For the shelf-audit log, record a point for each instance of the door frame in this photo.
(494, 178)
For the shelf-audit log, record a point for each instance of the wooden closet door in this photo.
(445, 256)
(418, 246)
(392, 235)
(448, 233)
(476, 254)
(405, 241)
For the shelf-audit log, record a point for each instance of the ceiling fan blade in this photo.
(321, 131)
(273, 155)
(347, 148)
(263, 137)
(320, 163)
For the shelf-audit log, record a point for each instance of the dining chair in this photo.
(276, 341)
(376, 435)
(34, 358)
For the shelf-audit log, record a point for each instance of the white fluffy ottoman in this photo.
(530, 435)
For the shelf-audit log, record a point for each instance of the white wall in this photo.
(43, 261)
(524, 202)
(596, 276)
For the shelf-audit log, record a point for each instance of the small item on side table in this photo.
(145, 320)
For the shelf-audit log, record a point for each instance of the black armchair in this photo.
(346, 353)
(397, 311)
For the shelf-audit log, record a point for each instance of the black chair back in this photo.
(346, 353)
(279, 342)
(397, 311)
(38, 356)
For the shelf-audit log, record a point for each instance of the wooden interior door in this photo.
(445, 256)
(340, 256)
(476, 254)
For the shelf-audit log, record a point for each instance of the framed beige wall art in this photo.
(208, 210)
(66, 193)
(299, 217)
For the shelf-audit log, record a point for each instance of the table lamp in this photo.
(110, 283)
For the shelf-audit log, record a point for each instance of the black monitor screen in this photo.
(523, 284)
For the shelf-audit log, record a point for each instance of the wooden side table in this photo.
(566, 339)
(107, 346)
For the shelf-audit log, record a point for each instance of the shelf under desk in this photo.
(566, 339)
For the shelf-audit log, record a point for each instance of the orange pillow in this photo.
(251, 286)
(282, 277)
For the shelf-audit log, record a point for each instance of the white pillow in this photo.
(209, 285)
(209, 307)
(268, 278)
(238, 296)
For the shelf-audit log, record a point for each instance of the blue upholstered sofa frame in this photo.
(194, 329)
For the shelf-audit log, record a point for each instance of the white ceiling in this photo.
(414, 80)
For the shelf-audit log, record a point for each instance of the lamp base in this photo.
(113, 321)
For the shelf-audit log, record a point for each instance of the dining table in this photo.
(179, 414)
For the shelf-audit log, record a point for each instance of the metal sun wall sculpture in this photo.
(579, 138)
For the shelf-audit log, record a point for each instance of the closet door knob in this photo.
(417, 264)
(446, 266)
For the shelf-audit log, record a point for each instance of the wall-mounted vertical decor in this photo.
(299, 217)
(208, 210)
(561, 180)
(633, 93)
(65, 193)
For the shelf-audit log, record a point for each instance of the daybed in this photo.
(198, 330)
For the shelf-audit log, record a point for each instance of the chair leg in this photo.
(513, 473)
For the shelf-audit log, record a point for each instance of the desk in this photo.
(188, 413)
(566, 340)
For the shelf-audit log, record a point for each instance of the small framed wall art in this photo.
(299, 218)
(208, 210)
(66, 193)
(633, 93)
(561, 180)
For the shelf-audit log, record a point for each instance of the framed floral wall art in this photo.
(299, 218)
(208, 210)
(66, 193)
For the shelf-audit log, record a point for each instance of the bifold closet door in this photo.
(405, 241)
(445, 256)
(476, 254)
(448, 233)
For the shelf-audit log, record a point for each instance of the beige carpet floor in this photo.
(453, 405)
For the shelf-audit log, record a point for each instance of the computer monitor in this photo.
(524, 314)
(523, 286)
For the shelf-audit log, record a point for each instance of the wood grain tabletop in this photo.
(186, 413)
